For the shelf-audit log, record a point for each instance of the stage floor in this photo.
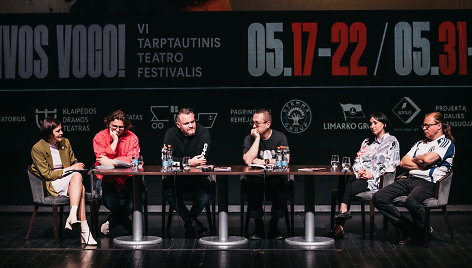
(352, 251)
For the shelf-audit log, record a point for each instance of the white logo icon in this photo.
(352, 111)
(41, 115)
(406, 110)
(296, 116)
(161, 115)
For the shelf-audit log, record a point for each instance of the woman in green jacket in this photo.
(54, 161)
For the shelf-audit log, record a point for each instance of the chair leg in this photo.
(145, 210)
(385, 227)
(363, 218)
(92, 217)
(209, 219)
(97, 216)
(287, 220)
(241, 217)
(169, 221)
(448, 223)
(372, 220)
(61, 220)
(213, 211)
(246, 225)
(163, 216)
(292, 217)
(94, 212)
(30, 226)
(334, 199)
(55, 224)
(427, 227)
(397, 234)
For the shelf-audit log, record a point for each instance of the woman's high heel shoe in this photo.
(85, 235)
(70, 221)
(87, 238)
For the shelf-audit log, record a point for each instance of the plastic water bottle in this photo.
(134, 159)
(284, 161)
(165, 159)
(278, 158)
(169, 156)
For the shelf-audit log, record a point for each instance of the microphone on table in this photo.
(267, 155)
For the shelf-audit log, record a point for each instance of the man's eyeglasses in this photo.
(257, 123)
(426, 126)
(115, 127)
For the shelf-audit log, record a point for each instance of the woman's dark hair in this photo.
(49, 124)
(120, 115)
(382, 118)
(446, 128)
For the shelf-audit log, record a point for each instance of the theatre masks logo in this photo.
(40, 115)
(73, 119)
(164, 116)
(296, 116)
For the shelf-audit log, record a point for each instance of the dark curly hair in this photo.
(120, 115)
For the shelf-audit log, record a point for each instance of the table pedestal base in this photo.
(316, 241)
(129, 241)
(217, 241)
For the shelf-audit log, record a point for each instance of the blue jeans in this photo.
(199, 186)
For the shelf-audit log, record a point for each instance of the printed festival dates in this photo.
(416, 48)
(413, 53)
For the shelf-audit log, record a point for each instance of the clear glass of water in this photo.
(335, 161)
(346, 162)
(186, 163)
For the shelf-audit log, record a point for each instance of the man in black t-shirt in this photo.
(264, 141)
(188, 139)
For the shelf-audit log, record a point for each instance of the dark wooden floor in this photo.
(352, 251)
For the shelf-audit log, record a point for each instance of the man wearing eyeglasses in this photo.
(427, 161)
(262, 143)
(188, 139)
(116, 142)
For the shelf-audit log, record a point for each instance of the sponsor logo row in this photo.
(296, 116)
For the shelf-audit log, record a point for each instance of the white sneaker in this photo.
(105, 229)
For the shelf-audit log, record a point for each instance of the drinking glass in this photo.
(334, 161)
(140, 161)
(186, 163)
(346, 162)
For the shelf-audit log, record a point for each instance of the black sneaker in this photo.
(190, 231)
(333, 235)
(257, 235)
(259, 232)
(199, 228)
(128, 225)
(275, 234)
(343, 216)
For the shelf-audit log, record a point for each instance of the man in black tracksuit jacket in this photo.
(188, 139)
